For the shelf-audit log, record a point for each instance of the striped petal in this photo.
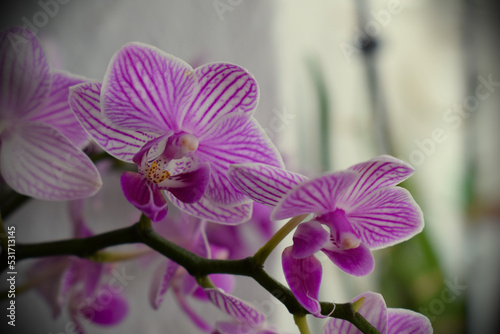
(382, 171)
(263, 183)
(234, 140)
(122, 144)
(355, 261)
(146, 89)
(373, 310)
(320, 195)
(235, 307)
(36, 160)
(161, 282)
(386, 217)
(25, 74)
(222, 89)
(57, 112)
(205, 209)
(402, 321)
(304, 279)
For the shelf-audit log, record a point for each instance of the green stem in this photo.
(196, 265)
(262, 254)
(301, 322)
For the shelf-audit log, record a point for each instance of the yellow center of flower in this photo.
(155, 175)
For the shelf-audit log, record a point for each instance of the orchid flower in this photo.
(78, 283)
(188, 232)
(245, 318)
(361, 207)
(183, 127)
(40, 138)
(385, 320)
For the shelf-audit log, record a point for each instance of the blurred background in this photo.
(340, 81)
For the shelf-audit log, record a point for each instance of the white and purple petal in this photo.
(235, 307)
(379, 172)
(355, 261)
(162, 277)
(308, 238)
(205, 209)
(57, 112)
(386, 217)
(38, 161)
(223, 89)
(403, 321)
(122, 144)
(233, 140)
(373, 310)
(144, 195)
(263, 183)
(319, 195)
(146, 89)
(25, 74)
(304, 279)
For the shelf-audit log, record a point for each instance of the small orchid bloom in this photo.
(188, 232)
(245, 318)
(171, 120)
(78, 283)
(385, 320)
(361, 207)
(40, 138)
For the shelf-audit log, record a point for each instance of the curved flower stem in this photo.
(261, 256)
(196, 266)
(301, 322)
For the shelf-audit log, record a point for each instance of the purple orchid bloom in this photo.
(79, 284)
(245, 318)
(40, 137)
(361, 207)
(183, 127)
(385, 320)
(188, 232)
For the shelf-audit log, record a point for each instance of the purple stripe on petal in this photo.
(320, 195)
(386, 217)
(25, 74)
(355, 261)
(304, 279)
(234, 140)
(373, 310)
(85, 102)
(205, 209)
(57, 112)
(402, 321)
(146, 89)
(376, 173)
(161, 282)
(36, 160)
(223, 89)
(263, 183)
(235, 307)
(144, 195)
